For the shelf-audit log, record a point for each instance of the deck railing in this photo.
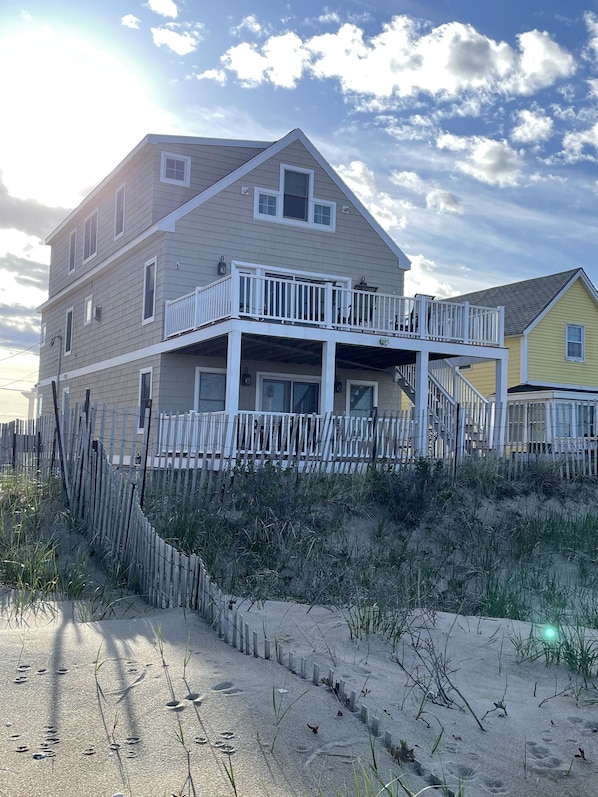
(322, 304)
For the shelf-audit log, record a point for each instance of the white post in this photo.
(328, 372)
(233, 377)
(500, 422)
(421, 404)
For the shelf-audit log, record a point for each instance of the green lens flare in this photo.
(549, 633)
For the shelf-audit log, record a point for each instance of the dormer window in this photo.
(294, 202)
(175, 169)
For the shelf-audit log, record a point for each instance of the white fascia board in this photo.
(579, 275)
(168, 223)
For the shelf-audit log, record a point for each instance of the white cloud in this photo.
(130, 21)
(359, 178)
(443, 201)
(217, 75)
(281, 62)
(421, 279)
(181, 39)
(406, 59)
(533, 127)
(166, 8)
(409, 180)
(582, 145)
(489, 161)
(249, 23)
(592, 26)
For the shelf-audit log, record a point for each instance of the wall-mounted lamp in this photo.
(221, 267)
(384, 341)
(338, 386)
(246, 378)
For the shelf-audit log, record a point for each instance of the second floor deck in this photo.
(306, 300)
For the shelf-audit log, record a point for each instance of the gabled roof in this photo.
(525, 302)
(168, 222)
(267, 150)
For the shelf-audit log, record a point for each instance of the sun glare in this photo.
(71, 110)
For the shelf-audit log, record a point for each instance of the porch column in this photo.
(420, 442)
(501, 419)
(328, 373)
(233, 377)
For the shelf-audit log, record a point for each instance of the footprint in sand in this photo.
(540, 759)
(494, 786)
(227, 687)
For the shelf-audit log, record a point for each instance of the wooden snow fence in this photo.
(105, 499)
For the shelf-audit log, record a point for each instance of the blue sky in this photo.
(469, 129)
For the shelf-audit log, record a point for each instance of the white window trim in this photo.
(95, 251)
(199, 369)
(152, 261)
(187, 161)
(118, 235)
(65, 398)
(150, 371)
(87, 304)
(69, 312)
(261, 375)
(72, 252)
(43, 335)
(583, 343)
(363, 383)
(311, 202)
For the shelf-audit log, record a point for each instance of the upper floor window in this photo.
(294, 202)
(72, 250)
(145, 396)
(575, 343)
(90, 239)
(149, 290)
(42, 335)
(68, 333)
(119, 212)
(175, 169)
(87, 310)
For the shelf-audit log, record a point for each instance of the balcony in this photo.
(300, 300)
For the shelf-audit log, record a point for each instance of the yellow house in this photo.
(551, 332)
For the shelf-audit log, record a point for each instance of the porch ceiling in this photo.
(305, 352)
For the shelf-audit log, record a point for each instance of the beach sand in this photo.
(153, 703)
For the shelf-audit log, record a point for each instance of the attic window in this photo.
(575, 344)
(175, 169)
(294, 202)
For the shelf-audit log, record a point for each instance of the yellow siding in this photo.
(547, 363)
(483, 375)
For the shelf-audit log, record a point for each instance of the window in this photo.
(68, 335)
(267, 204)
(119, 212)
(322, 214)
(72, 249)
(42, 335)
(175, 169)
(90, 242)
(87, 311)
(145, 395)
(289, 395)
(362, 397)
(210, 391)
(294, 202)
(65, 400)
(149, 291)
(296, 195)
(575, 343)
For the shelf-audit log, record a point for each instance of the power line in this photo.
(16, 354)
(6, 386)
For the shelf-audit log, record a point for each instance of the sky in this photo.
(469, 129)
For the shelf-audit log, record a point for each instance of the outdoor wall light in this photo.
(384, 341)
(221, 267)
(246, 378)
(338, 386)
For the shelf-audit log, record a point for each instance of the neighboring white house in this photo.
(217, 276)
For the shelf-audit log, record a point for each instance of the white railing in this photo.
(305, 301)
